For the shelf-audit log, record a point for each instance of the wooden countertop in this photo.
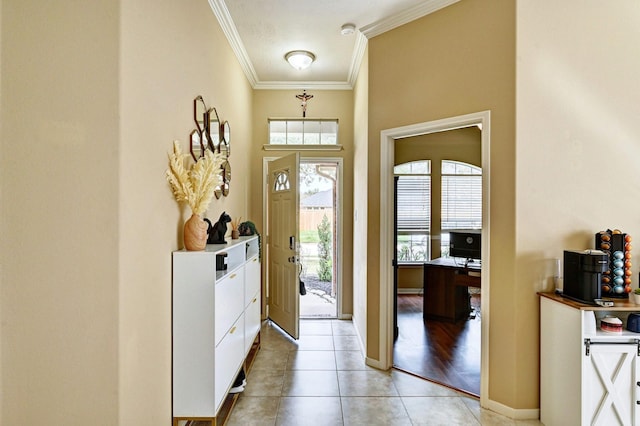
(618, 304)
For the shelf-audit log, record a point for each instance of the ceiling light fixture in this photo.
(300, 59)
(348, 29)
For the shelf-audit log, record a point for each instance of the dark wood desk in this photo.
(446, 282)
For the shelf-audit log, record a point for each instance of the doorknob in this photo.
(292, 259)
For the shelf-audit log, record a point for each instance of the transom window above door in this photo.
(303, 134)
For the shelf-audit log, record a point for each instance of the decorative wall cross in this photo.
(304, 98)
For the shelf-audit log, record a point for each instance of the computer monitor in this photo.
(465, 243)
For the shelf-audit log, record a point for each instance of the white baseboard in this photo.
(513, 413)
(363, 349)
(410, 291)
(373, 363)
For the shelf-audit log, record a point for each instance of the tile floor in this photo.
(322, 380)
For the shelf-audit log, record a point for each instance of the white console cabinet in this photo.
(216, 320)
(587, 376)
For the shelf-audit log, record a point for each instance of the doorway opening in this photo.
(438, 312)
(319, 261)
(388, 139)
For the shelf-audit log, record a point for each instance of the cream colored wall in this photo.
(325, 104)
(59, 178)
(99, 91)
(1, 214)
(360, 202)
(185, 54)
(410, 279)
(578, 152)
(456, 61)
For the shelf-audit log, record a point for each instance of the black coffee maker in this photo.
(583, 274)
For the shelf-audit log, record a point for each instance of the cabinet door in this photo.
(252, 280)
(229, 358)
(610, 390)
(251, 322)
(229, 302)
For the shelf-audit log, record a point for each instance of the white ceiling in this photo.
(261, 32)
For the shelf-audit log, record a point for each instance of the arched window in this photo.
(281, 181)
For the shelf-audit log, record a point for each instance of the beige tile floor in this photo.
(322, 380)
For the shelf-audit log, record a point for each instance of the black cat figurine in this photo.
(218, 230)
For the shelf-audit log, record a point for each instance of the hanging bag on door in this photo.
(303, 289)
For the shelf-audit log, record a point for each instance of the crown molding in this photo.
(229, 28)
(356, 60)
(221, 12)
(405, 17)
(308, 85)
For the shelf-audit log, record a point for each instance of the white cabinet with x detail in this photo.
(587, 376)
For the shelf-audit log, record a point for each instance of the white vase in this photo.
(635, 298)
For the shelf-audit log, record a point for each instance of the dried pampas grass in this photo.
(197, 185)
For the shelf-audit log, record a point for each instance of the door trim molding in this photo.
(387, 145)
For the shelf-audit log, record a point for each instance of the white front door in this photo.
(283, 243)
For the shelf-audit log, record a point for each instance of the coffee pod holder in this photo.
(616, 280)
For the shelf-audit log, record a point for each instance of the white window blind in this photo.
(413, 206)
(461, 196)
(414, 203)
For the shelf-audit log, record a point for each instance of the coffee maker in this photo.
(583, 274)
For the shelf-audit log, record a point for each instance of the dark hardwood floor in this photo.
(443, 352)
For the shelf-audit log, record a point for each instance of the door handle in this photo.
(292, 259)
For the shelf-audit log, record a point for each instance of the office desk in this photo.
(446, 282)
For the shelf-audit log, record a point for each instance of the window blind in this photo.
(414, 203)
(461, 202)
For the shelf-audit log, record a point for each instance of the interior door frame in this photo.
(387, 160)
(339, 225)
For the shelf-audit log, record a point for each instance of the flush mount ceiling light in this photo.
(300, 59)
